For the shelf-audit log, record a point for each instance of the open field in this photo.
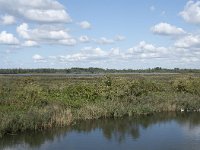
(41, 102)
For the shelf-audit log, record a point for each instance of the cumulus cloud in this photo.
(189, 59)
(85, 25)
(89, 54)
(191, 12)
(8, 20)
(42, 35)
(30, 43)
(8, 38)
(115, 52)
(46, 11)
(119, 38)
(167, 29)
(84, 39)
(68, 42)
(188, 41)
(104, 41)
(38, 58)
(146, 50)
(86, 54)
(23, 30)
(93, 51)
(141, 51)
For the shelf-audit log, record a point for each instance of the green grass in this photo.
(41, 102)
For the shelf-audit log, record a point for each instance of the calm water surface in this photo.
(169, 131)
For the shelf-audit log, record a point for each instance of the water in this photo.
(168, 131)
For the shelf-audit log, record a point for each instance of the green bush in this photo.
(187, 85)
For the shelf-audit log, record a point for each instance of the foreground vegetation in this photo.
(41, 102)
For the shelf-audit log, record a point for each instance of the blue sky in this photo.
(99, 33)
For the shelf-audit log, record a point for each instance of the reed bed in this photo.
(41, 102)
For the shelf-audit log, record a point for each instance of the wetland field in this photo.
(35, 103)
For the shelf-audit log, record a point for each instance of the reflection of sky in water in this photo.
(191, 131)
(191, 136)
(159, 132)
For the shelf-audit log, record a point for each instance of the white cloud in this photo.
(42, 35)
(68, 41)
(145, 50)
(47, 15)
(167, 29)
(119, 38)
(115, 51)
(143, 47)
(23, 31)
(85, 25)
(189, 59)
(188, 41)
(191, 12)
(8, 20)
(85, 55)
(84, 39)
(30, 43)
(38, 58)
(93, 51)
(47, 11)
(89, 54)
(8, 38)
(104, 40)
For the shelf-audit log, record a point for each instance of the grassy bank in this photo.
(40, 102)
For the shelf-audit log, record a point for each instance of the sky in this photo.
(122, 34)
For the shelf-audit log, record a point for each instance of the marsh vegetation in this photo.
(42, 102)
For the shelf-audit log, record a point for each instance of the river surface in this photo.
(165, 131)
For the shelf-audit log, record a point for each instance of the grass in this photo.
(41, 102)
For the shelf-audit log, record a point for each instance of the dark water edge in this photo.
(161, 131)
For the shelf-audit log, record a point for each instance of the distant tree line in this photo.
(92, 70)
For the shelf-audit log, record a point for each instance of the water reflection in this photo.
(113, 130)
